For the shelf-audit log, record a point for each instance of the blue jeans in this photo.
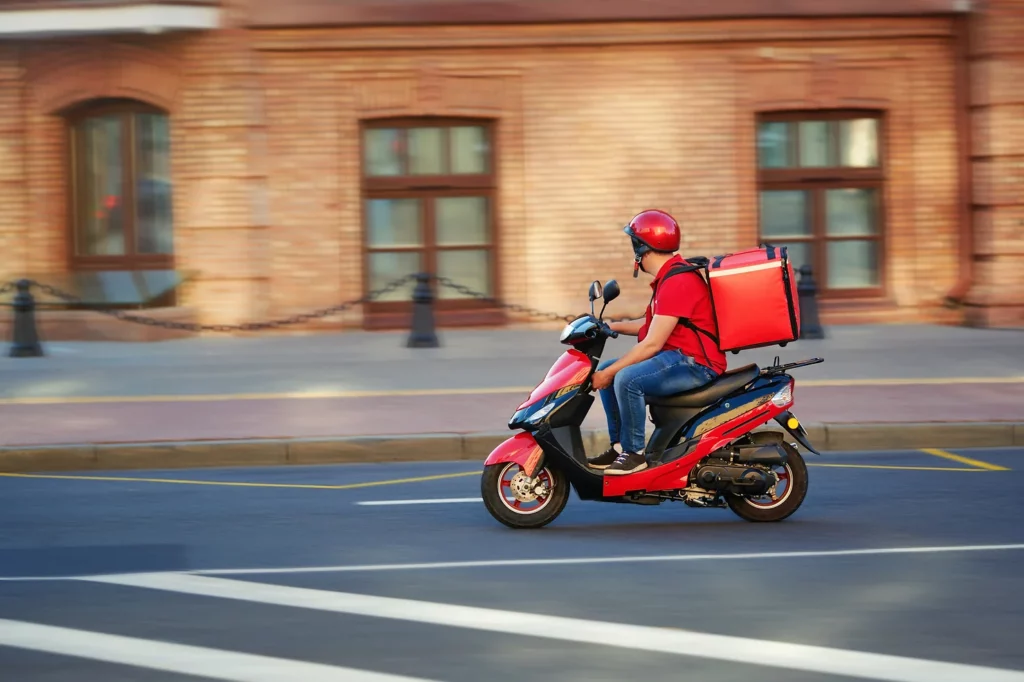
(666, 373)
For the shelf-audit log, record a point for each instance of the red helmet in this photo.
(652, 230)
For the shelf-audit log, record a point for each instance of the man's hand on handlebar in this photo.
(629, 328)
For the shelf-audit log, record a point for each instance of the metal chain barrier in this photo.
(531, 312)
(302, 317)
(248, 326)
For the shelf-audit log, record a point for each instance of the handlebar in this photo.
(602, 328)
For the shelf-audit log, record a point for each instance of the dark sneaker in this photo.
(604, 460)
(627, 463)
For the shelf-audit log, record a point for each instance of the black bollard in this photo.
(26, 338)
(422, 334)
(807, 291)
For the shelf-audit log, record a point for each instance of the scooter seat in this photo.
(711, 392)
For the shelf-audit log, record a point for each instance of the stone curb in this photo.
(448, 447)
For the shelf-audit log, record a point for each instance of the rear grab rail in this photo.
(777, 369)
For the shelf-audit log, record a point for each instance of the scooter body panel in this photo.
(571, 368)
(714, 428)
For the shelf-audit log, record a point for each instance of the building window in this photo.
(821, 184)
(428, 206)
(120, 188)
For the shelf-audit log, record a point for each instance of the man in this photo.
(671, 355)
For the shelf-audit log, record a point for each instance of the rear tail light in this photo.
(784, 398)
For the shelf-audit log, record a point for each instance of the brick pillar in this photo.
(997, 124)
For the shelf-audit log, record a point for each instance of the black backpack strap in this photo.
(694, 264)
(688, 323)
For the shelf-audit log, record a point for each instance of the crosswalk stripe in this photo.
(583, 561)
(178, 658)
(444, 500)
(637, 637)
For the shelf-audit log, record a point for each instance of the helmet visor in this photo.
(639, 248)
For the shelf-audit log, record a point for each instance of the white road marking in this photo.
(571, 561)
(178, 658)
(637, 637)
(388, 503)
(493, 563)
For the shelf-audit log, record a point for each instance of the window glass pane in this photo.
(851, 212)
(815, 150)
(799, 255)
(393, 222)
(383, 150)
(462, 221)
(852, 265)
(385, 268)
(784, 213)
(773, 145)
(470, 149)
(153, 228)
(468, 268)
(858, 142)
(426, 151)
(99, 196)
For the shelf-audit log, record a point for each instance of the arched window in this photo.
(821, 177)
(120, 214)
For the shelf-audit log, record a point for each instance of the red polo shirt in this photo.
(686, 295)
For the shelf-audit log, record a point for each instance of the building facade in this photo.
(284, 157)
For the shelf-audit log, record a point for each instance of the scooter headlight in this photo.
(566, 332)
(784, 398)
(540, 414)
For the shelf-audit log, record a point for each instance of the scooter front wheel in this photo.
(519, 501)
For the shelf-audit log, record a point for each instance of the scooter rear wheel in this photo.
(793, 476)
(519, 502)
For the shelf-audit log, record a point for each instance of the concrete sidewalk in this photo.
(467, 359)
(365, 396)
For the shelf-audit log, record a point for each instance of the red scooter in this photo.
(703, 452)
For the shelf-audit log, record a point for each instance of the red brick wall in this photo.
(590, 136)
(997, 113)
(13, 207)
(265, 144)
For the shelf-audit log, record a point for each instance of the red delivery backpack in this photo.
(755, 298)
(753, 295)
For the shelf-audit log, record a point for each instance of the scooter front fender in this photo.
(521, 448)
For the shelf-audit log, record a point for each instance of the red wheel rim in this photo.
(513, 475)
(783, 489)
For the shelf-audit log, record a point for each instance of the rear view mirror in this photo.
(595, 293)
(611, 291)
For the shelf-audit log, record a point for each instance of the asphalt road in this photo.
(159, 579)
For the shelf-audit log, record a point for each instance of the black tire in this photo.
(495, 502)
(792, 498)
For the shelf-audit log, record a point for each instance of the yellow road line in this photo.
(419, 479)
(348, 486)
(881, 466)
(216, 397)
(923, 381)
(412, 392)
(964, 460)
